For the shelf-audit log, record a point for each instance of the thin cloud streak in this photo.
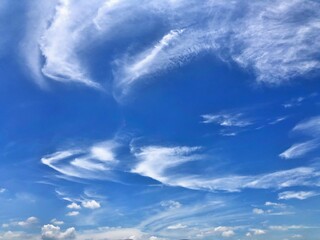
(161, 164)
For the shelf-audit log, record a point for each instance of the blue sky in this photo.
(159, 120)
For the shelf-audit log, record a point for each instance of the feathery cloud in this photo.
(269, 37)
(310, 127)
(301, 195)
(159, 163)
(93, 162)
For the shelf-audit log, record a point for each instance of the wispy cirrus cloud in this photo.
(270, 38)
(155, 160)
(267, 38)
(162, 164)
(227, 120)
(93, 162)
(191, 221)
(301, 195)
(146, 62)
(300, 149)
(309, 127)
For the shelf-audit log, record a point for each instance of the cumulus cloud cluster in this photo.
(51, 232)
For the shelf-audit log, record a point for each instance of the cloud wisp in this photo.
(94, 162)
(271, 38)
(311, 128)
(300, 195)
(163, 164)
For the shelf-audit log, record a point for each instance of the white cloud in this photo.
(269, 37)
(177, 226)
(226, 120)
(266, 38)
(112, 234)
(144, 63)
(2, 190)
(72, 214)
(56, 222)
(92, 204)
(310, 127)
(301, 195)
(61, 41)
(28, 222)
(258, 231)
(300, 149)
(156, 161)
(93, 162)
(74, 205)
(287, 227)
(258, 211)
(51, 232)
(17, 235)
(255, 231)
(195, 215)
(225, 231)
(273, 204)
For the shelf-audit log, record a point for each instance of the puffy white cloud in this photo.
(92, 204)
(301, 195)
(2, 190)
(51, 232)
(74, 205)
